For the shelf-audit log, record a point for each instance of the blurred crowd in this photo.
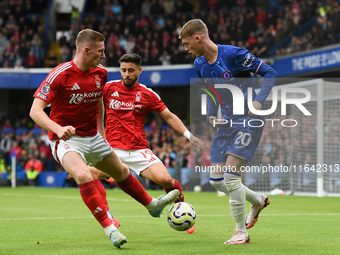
(268, 28)
(22, 139)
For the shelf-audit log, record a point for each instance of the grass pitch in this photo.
(56, 221)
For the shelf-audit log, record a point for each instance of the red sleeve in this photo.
(47, 91)
(156, 103)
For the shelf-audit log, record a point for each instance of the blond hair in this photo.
(89, 36)
(192, 27)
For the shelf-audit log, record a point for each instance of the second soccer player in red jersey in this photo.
(127, 103)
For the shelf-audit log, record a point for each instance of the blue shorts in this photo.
(240, 141)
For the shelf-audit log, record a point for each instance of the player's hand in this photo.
(197, 142)
(216, 123)
(257, 106)
(66, 132)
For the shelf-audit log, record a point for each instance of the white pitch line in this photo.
(148, 216)
(62, 197)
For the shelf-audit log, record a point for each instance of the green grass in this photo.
(56, 221)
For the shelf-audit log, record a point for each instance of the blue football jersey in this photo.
(234, 66)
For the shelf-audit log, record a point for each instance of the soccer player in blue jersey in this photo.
(234, 144)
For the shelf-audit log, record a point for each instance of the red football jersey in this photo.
(126, 109)
(73, 95)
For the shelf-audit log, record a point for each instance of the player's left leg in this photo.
(255, 209)
(244, 145)
(237, 199)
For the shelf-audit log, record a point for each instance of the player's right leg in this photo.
(217, 178)
(75, 165)
(96, 175)
(158, 173)
(102, 192)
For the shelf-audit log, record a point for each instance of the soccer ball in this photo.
(181, 216)
(197, 188)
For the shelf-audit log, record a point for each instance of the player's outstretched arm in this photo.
(178, 126)
(40, 117)
(197, 142)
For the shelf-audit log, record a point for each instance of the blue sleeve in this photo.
(248, 62)
(269, 75)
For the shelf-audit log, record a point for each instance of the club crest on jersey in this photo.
(45, 89)
(97, 80)
(226, 74)
(138, 97)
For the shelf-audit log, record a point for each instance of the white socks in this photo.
(237, 201)
(218, 182)
(109, 229)
(152, 205)
(231, 185)
(252, 197)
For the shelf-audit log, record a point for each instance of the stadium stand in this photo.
(269, 29)
(150, 28)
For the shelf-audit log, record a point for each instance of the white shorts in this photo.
(92, 149)
(137, 160)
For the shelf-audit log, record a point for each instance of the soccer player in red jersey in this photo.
(127, 103)
(74, 89)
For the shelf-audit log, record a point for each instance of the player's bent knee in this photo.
(167, 182)
(82, 177)
(233, 183)
(216, 184)
(97, 174)
(121, 173)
